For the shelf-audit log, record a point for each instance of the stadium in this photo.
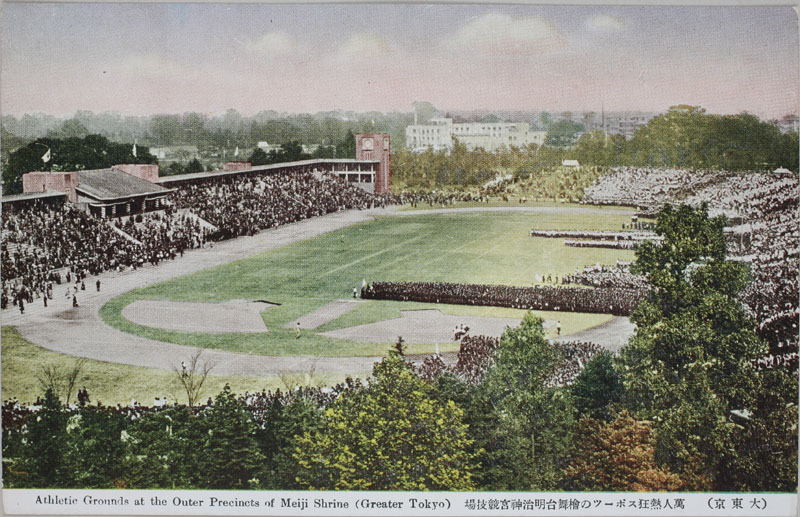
(292, 281)
(524, 259)
(287, 286)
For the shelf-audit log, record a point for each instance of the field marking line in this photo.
(371, 255)
(478, 257)
(443, 255)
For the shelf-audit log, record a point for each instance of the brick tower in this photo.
(376, 147)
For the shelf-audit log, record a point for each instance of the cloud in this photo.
(147, 64)
(275, 43)
(153, 66)
(606, 22)
(363, 46)
(499, 34)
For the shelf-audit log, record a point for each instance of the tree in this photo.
(597, 387)
(291, 151)
(95, 448)
(425, 111)
(693, 245)
(174, 169)
(71, 128)
(69, 154)
(60, 379)
(532, 423)
(194, 165)
(600, 149)
(391, 435)
(193, 376)
(42, 463)
(690, 364)
(562, 133)
(259, 157)
(231, 457)
(673, 139)
(165, 449)
(347, 147)
(545, 119)
(618, 456)
(766, 441)
(275, 437)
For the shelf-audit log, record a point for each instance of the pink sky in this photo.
(142, 59)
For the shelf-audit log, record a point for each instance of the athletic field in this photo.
(309, 276)
(247, 295)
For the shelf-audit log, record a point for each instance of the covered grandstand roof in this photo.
(13, 198)
(109, 184)
(262, 168)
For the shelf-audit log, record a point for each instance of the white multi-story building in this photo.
(621, 123)
(441, 133)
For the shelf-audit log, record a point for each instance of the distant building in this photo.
(438, 135)
(175, 151)
(441, 133)
(237, 166)
(267, 147)
(571, 164)
(788, 123)
(619, 123)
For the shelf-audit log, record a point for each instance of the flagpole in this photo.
(46, 156)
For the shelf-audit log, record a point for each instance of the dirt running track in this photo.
(80, 332)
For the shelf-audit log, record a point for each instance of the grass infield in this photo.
(112, 384)
(492, 248)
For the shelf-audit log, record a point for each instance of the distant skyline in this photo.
(142, 59)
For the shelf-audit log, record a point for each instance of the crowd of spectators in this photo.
(574, 356)
(612, 245)
(246, 205)
(602, 275)
(440, 198)
(477, 353)
(648, 186)
(764, 231)
(45, 246)
(597, 235)
(617, 301)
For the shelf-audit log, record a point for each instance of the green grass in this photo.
(111, 384)
(493, 248)
(513, 201)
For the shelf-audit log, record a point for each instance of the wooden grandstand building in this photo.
(127, 189)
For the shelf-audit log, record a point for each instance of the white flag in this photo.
(134, 149)
(236, 152)
(363, 283)
(46, 156)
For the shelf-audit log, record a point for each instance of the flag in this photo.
(538, 277)
(236, 152)
(134, 148)
(363, 283)
(46, 156)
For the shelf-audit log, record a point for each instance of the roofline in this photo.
(25, 196)
(261, 168)
(164, 191)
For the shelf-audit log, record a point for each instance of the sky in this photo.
(173, 58)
